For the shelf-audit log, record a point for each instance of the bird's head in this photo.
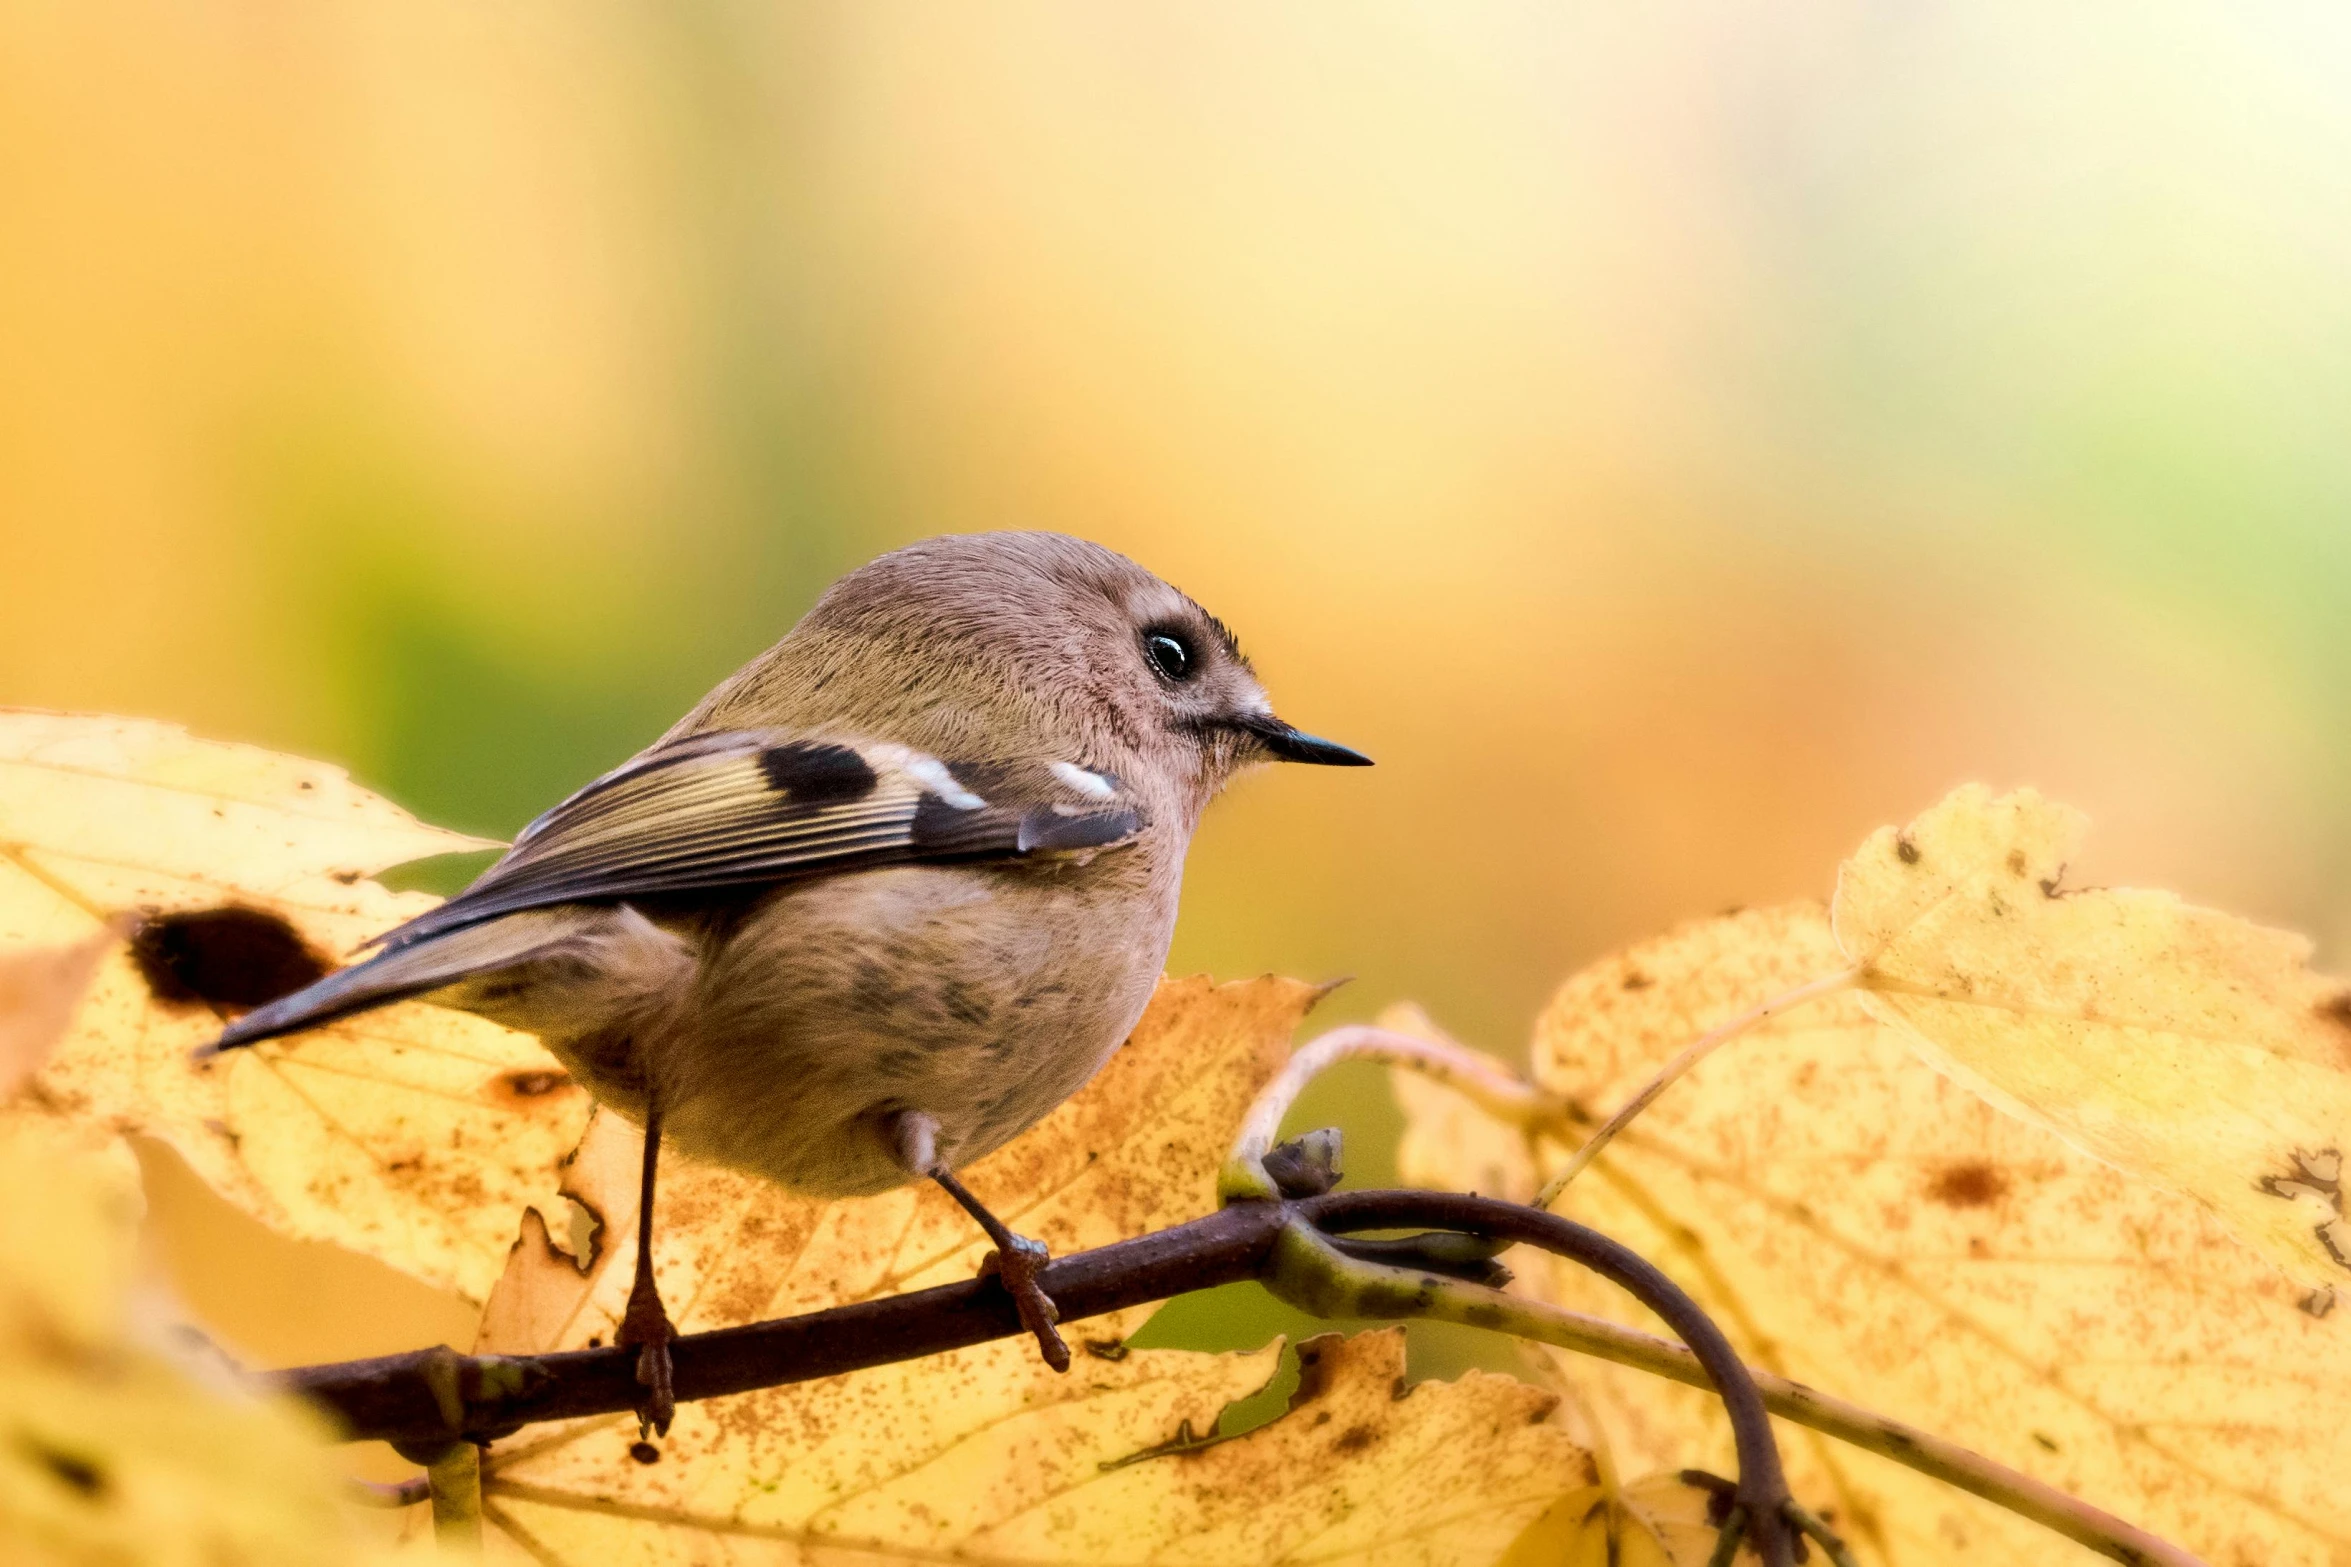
(993, 644)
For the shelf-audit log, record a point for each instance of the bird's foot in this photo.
(646, 1325)
(1018, 1263)
(1017, 1260)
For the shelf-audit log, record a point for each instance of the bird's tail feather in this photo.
(405, 972)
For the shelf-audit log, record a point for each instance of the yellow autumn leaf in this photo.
(1858, 1221)
(113, 1453)
(906, 1461)
(414, 1134)
(67, 1265)
(1654, 1522)
(40, 987)
(984, 1455)
(2177, 1042)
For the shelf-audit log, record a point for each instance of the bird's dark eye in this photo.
(1170, 654)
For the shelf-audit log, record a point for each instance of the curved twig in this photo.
(1763, 1485)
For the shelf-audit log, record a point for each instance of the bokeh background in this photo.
(1672, 439)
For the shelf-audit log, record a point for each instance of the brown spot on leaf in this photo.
(1904, 849)
(513, 1090)
(645, 1452)
(2317, 1175)
(1974, 1184)
(2318, 1302)
(1355, 1439)
(2047, 1444)
(2336, 1009)
(2016, 862)
(1634, 979)
(2335, 1237)
(82, 1476)
(231, 958)
(1106, 1349)
(1314, 1367)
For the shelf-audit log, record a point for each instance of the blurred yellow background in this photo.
(1673, 440)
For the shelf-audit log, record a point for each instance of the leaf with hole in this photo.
(413, 1134)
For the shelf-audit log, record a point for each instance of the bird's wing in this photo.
(742, 807)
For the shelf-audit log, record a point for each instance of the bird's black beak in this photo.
(1293, 745)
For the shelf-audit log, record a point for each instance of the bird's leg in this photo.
(645, 1324)
(1017, 1259)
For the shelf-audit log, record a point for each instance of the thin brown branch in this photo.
(429, 1397)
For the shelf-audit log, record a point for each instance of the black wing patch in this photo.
(813, 772)
(745, 807)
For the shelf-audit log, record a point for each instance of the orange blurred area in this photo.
(1673, 441)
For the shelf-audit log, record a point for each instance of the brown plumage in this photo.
(885, 897)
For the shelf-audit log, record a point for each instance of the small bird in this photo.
(884, 898)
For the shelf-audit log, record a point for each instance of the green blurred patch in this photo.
(442, 875)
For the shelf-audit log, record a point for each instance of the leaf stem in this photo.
(1309, 1271)
(1485, 1082)
(1726, 1543)
(455, 1478)
(1839, 1554)
(1667, 1074)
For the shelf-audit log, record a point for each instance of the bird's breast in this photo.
(982, 996)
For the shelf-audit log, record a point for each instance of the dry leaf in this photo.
(1137, 1149)
(2177, 1042)
(413, 1134)
(114, 1454)
(1860, 1222)
(39, 989)
(1654, 1522)
(985, 1454)
(928, 1456)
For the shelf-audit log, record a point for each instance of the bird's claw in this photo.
(646, 1325)
(1018, 1265)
